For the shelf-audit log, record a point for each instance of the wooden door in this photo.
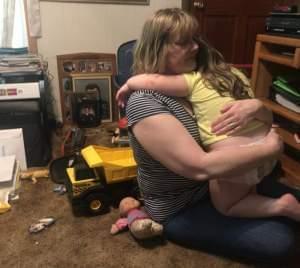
(232, 25)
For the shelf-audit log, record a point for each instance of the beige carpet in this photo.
(84, 241)
(81, 241)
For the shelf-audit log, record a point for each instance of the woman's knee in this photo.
(265, 241)
(279, 243)
(256, 240)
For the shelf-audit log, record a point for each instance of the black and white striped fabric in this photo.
(165, 193)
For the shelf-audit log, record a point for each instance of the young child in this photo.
(213, 97)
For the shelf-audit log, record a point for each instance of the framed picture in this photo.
(104, 66)
(69, 66)
(67, 84)
(83, 64)
(101, 84)
(122, 2)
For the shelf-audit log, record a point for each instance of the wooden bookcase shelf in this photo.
(288, 137)
(276, 55)
(291, 170)
(284, 60)
(279, 109)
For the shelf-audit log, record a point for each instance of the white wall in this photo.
(77, 27)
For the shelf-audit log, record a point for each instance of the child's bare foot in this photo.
(289, 207)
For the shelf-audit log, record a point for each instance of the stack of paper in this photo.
(287, 103)
(21, 63)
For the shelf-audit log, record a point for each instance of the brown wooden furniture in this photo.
(276, 55)
(70, 65)
(231, 26)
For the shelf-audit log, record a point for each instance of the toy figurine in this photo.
(120, 135)
(35, 174)
(136, 219)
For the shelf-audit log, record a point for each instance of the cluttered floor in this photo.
(73, 241)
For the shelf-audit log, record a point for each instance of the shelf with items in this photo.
(275, 56)
(286, 60)
(86, 65)
(281, 110)
(271, 48)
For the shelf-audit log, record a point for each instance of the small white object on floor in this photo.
(41, 224)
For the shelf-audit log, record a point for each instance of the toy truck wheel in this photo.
(97, 203)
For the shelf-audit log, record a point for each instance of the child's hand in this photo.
(122, 95)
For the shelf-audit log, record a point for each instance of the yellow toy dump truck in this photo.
(101, 177)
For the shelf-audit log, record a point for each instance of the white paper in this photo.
(12, 143)
(7, 164)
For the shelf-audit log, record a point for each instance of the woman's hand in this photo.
(122, 95)
(235, 115)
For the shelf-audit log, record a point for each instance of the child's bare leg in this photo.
(225, 195)
(241, 200)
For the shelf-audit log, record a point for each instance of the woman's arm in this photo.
(175, 148)
(237, 114)
(171, 85)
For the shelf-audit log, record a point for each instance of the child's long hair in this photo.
(218, 74)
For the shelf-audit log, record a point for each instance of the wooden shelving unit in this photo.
(276, 55)
(278, 109)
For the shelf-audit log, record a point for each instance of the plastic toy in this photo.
(34, 174)
(99, 177)
(120, 135)
(137, 220)
(41, 225)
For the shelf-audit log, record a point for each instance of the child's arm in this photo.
(171, 85)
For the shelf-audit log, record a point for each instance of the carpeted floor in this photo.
(83, 241)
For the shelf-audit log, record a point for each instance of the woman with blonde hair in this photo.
(174, 170)
(214, 90)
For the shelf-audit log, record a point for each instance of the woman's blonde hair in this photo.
(158, 32)
(175, 25)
